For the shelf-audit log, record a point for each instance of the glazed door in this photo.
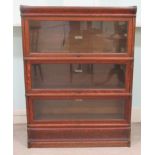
(70, 37)
(78, 76)
(78, 109)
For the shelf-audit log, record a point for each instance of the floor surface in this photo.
(20, 145)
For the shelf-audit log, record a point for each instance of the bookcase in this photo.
(78, 64)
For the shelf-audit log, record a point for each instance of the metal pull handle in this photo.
(78, 70)
(78, 37)
(78, 100)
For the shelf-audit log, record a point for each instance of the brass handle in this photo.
(78, 37)
(78, 70)
(78, 100)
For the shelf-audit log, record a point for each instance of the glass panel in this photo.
(78, 36)
(79, 109)
(78, 76)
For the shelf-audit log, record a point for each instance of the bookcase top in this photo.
(77, 11)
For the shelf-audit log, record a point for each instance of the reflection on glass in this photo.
(75, 36)
(78, 76)
(79, 109)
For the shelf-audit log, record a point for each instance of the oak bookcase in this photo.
(78, 64)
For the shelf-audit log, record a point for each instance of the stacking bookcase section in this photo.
(49, 75)
(72, 108)
(78, 64)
